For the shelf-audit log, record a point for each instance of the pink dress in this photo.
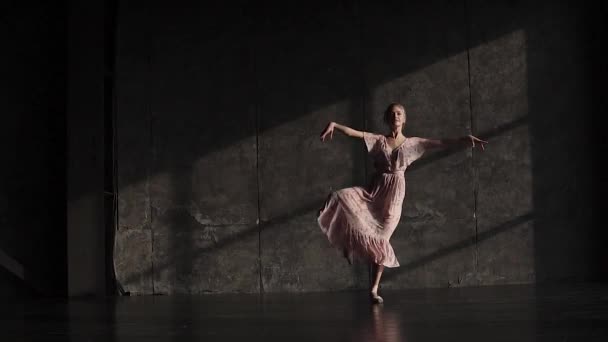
(360, 220)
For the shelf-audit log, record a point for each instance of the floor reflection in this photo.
(384, 325)
(499, 313)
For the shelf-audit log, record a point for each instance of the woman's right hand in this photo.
(480, 142)
(329, 130)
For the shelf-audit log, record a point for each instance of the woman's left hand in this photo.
(474, 139)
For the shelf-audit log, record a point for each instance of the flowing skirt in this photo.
(360, 221)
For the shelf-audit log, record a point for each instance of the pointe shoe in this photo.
(375, 298)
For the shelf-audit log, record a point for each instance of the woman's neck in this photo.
(395, 133)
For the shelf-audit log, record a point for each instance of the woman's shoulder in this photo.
(373, 135)
(414, 139)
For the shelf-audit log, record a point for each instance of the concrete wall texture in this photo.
(221, 171)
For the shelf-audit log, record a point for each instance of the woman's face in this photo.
(396, 117)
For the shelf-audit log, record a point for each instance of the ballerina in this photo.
(360, 220)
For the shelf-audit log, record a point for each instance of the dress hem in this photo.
(362, 246)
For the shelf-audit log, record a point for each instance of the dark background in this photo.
(194, 128)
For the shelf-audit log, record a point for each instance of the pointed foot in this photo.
(376, 299)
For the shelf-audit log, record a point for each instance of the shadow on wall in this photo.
(181, 219)
(569, 244)
(32, 148)
(471, 241)
(219, 121)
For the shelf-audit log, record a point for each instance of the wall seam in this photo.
(256, 111)
(150, 208)
(472, 130)
(152, 160)
(363, 94)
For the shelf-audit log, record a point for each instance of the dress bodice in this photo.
(392, 160)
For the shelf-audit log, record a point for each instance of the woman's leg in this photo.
(377, 274)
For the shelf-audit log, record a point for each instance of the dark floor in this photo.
(506, 313)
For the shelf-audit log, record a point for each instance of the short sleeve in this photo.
(416, 149)
(371, 140)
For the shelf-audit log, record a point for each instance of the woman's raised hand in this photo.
(474, 139)
(329, 130)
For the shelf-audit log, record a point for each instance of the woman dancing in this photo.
(360, 220)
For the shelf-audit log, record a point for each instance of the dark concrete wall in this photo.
(52, 215)
(221, 172)
(85, 213)
(32, 146)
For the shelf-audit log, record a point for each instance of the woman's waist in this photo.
(390, 172)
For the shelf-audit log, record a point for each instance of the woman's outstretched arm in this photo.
(468, 140)
(329, 131)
